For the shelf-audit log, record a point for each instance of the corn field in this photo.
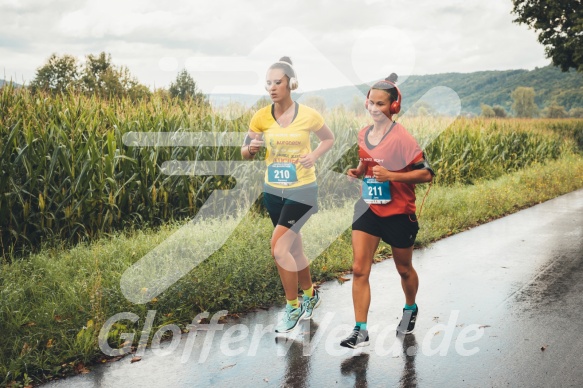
(67, 176)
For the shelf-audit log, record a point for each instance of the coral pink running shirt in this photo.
(397, 151)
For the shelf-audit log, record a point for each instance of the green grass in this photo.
(53, 304)
(70, 179)
(68, 176)
(452, 209)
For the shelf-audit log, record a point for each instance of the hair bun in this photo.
(286, 59)
(392, 78)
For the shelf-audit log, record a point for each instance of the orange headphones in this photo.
(395, 105)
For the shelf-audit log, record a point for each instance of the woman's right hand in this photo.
(255, 145)
(354, 173)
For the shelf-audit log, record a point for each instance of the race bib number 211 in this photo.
(375, 192)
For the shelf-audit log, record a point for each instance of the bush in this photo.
(555, 111)
(487, 111)
(499, 111)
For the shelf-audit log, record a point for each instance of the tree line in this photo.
(98, 75)
(560, 28)
(524, 105)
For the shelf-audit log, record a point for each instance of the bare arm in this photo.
(381, 174)
(248, 151)
(326, 142)
(356, 172)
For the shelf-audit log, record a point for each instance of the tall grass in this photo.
(53, 305)
(480, 149)
(68, 177)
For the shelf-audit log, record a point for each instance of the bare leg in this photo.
(282, 242)
(364, 247)
(409, 280)
(303, 265)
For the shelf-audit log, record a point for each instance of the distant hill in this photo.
(3, 82)
(494, 87)
(484, 87)
(225, 99)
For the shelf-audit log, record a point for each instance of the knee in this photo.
(273, 248)
(297, 253)
(274, 252)
(405, 271)
(277, 250)
(360, 272)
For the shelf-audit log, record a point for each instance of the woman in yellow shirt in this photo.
(290, 188)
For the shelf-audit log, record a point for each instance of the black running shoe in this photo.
(407, 324)
(356, 339)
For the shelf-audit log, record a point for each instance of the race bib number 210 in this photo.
(282, 173)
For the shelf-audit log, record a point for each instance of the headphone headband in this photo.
(390, 83)
(289, 64)
(293, 79)
(395, 106)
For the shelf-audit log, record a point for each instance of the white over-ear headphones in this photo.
(293, 81)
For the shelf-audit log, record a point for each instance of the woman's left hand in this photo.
(308, 160)
(381, 174)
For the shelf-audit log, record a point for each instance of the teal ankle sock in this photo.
(362, 325)
(413, 307)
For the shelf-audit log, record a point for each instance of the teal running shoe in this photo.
(311, 303)
(290, 319)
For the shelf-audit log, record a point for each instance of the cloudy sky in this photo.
(227, 45)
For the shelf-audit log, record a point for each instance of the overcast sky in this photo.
(227, 45)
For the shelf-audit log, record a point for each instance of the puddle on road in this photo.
(555, 282)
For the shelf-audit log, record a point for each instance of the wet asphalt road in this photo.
(500, 305)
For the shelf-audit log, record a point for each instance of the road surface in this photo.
(500, 305)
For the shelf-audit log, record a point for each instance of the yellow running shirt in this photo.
(286, 145)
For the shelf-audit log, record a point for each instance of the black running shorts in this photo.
(399, 230)
(291, 207)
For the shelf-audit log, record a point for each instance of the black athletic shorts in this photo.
(399, 230)
(291, 207)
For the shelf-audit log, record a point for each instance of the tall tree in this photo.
(560, 27)
(184, 87)
(58, 74)
(524, 105)
(100, 76)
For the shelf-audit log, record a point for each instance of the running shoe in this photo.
(311, 303)
(407, 324)
(356, 339)
(290, 319)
